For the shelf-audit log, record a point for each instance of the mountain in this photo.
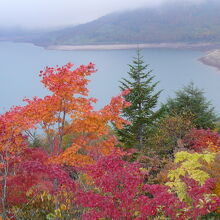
(179, 22)
(18, 34)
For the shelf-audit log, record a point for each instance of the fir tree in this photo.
(191, 100)
(141, 113)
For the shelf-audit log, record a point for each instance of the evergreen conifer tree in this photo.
(191, 100)
(141, 113)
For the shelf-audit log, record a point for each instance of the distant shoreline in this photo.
(212, 58)
(195, 46)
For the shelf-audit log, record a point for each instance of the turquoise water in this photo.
(20, 64)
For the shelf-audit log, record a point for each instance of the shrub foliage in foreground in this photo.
(88, 179)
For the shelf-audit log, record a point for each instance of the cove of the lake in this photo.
(20, 64)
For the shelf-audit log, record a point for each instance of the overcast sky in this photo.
(55, 13)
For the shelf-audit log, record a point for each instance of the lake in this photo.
(20, 65)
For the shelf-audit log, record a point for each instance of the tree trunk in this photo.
(4, 187)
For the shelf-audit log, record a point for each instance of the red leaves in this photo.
(203, 201)
(117, 183)
(160, 201)
(32, 172)
(114, 188)
(68, 101)
(118, 192)
(200, 140)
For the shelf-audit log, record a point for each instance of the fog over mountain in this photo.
(179, 22)
(43, 14)
(162, 21)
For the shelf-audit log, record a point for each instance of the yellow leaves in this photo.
(29, 192)
(181, 156)
(209, 157)
(45, 196)
(58, 213)
(199, 176)
(184, 155)
(63, 207)
(49, 197)
(180, 187)
(190, 164)
(175, 174)
(50, 216)
(136, 213)
(143, 170)
(53, 206)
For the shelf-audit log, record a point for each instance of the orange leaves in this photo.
(67, 114)
(212, 147)
(86, 149)
(65, 83)
(11, 126)
(112, 111)
(68, 102)
(97, 121)
(72, 157)
(51, 110)
(104, 146)
(90, 122)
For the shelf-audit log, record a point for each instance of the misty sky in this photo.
(55, 13)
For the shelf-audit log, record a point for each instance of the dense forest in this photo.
(132, 159)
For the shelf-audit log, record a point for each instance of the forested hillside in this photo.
(167, 23)
(182, 22)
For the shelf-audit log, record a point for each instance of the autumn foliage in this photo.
(201, 139)
(89, 178)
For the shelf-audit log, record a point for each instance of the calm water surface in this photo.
(20, 64)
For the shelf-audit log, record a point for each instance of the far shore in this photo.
(195, 46)
(212, 57)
